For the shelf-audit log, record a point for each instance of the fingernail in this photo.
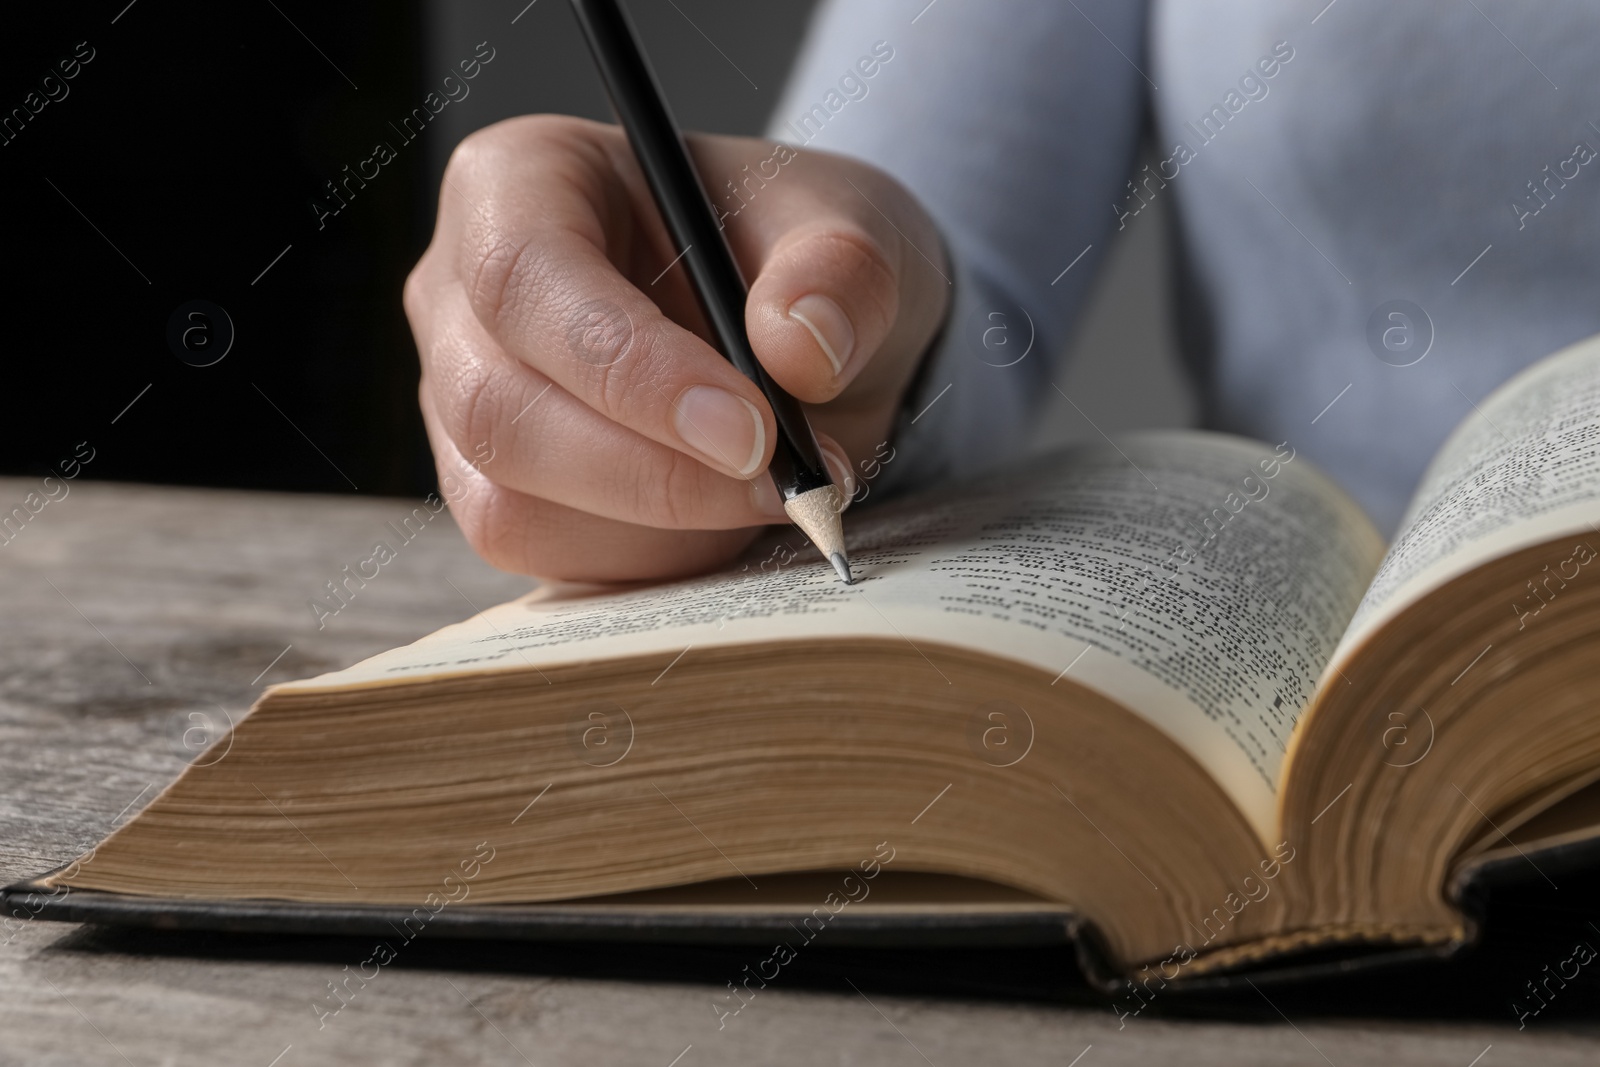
(828, 324)
(842, 475)
(766, 499)
(724, 428)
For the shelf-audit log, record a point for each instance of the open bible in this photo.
(1173, 697)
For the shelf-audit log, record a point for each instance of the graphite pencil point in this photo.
(842, 565)
(816, 512)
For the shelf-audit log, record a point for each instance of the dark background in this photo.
(185, 156)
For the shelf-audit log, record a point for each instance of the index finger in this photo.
(539, 274)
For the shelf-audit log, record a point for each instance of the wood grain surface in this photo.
(135, 620)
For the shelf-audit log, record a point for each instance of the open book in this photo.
(1175, 691)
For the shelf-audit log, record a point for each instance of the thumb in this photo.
(825, 299)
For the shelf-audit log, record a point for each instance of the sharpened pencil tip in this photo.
(842, 565)
(816, 512)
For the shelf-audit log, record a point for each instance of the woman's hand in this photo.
(563, 350)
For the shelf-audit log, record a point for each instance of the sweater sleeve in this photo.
(1014, 123)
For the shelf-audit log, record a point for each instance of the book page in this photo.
(1523, 468)
(1201, 580)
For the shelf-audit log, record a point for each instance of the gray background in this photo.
(723, 65)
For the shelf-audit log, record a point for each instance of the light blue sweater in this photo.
(1331, 169)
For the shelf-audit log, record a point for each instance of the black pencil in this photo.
(810, 498)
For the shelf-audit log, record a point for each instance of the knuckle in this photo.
(864, 269)
(491, 148)
(501, 275)
(412, 296)
(474, 409)
(550, 128)
(512, 531)
(468, 153)
(502, 542)
(671, 499)
(626, 359)
(485, 145)
(486, 520)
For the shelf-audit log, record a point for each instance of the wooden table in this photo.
(135, 620)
